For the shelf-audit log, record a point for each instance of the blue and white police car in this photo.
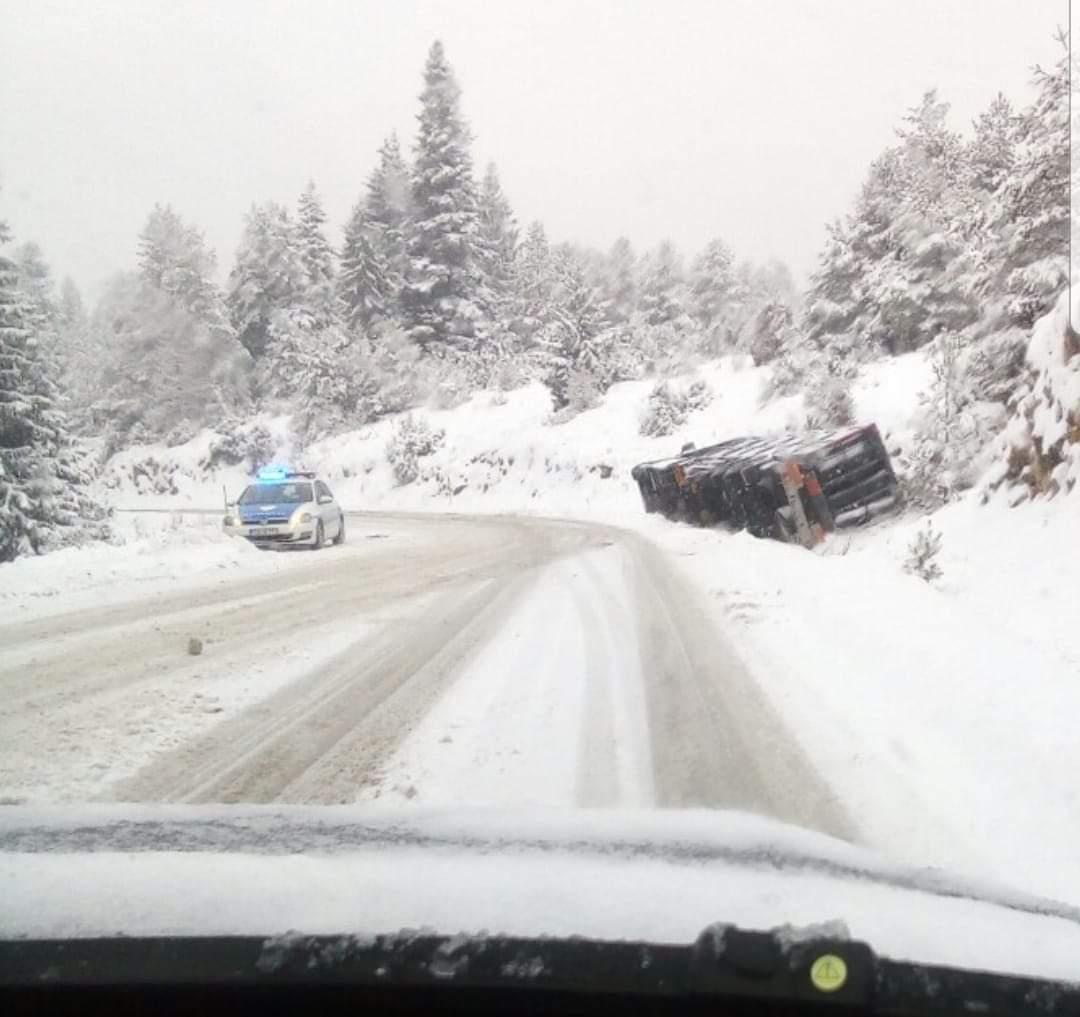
(286, 508)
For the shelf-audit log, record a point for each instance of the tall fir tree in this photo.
(661, 299)
(169, 360)
(573, 346)
(268, 276)
(620, 281)
(316, 255)
(1033, 203)
(712, 283)
(173, 257)
(533, 285)
(444, 298)
(365, 284)
(388, 213)
(498, 235)
(43, 488)
(991, 153)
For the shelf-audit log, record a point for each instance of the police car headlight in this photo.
(305, 517)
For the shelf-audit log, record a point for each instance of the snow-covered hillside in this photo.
(505, 452)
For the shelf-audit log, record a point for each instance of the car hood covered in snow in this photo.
(661, 876)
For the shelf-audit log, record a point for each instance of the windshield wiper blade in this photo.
(765, 972)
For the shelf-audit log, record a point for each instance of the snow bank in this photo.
(150, 553)
(943, 715)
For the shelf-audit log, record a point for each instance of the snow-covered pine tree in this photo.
(1033, 203)
(951, 431)
(77, 356)
(770, 332)
(835, 298)
(174, 258)
(388, 207)
(712, 280)
(533, 286)
(991, 155)
(43, 319)
(620, 286)
(662, 298)
(268, 275)
(70, 306)
(364, 282)
(573, 342)
(444, 299)
(43, 496)
(498, 235)
(316, 255)
(164, 357)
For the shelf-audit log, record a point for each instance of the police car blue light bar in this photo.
(272, 475)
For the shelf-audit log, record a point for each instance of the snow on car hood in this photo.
(659, 875)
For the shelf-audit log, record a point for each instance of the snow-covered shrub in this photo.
(829, 402)
(411, 439)
(666, 411)
(181, 434)
(998, 365)
(251, 444)
(922, 553)
(770, 331)
(150, 475)
(787, 375)
(1042, 438)
(698, 395)
(582, 391)
(669, 406)
(952, 432)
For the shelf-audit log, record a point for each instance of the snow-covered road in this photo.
(465, 660)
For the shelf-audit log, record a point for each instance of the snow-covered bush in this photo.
(1042, 438)
(148, 475)
(582, 391)
(698, 395)
(770, 332)
(669, 406)
(829, 402)
(998, 364)
(666, 411)
(181, 434)
(952, 432)
(251, 444)
(922, 554)
(411, 439)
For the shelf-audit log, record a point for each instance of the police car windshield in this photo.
(276, 494)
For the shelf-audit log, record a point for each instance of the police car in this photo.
(286, 507)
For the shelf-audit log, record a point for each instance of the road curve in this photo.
(99, 704)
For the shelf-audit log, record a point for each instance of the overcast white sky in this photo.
(753, 120)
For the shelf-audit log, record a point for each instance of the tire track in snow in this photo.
(615, 766)
(337, 724)
(716, 740)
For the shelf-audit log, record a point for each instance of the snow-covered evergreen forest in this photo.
(957, 243)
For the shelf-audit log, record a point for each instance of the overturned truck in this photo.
(794, 488)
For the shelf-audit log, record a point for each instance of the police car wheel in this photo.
(320, 537)
(340, 537)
